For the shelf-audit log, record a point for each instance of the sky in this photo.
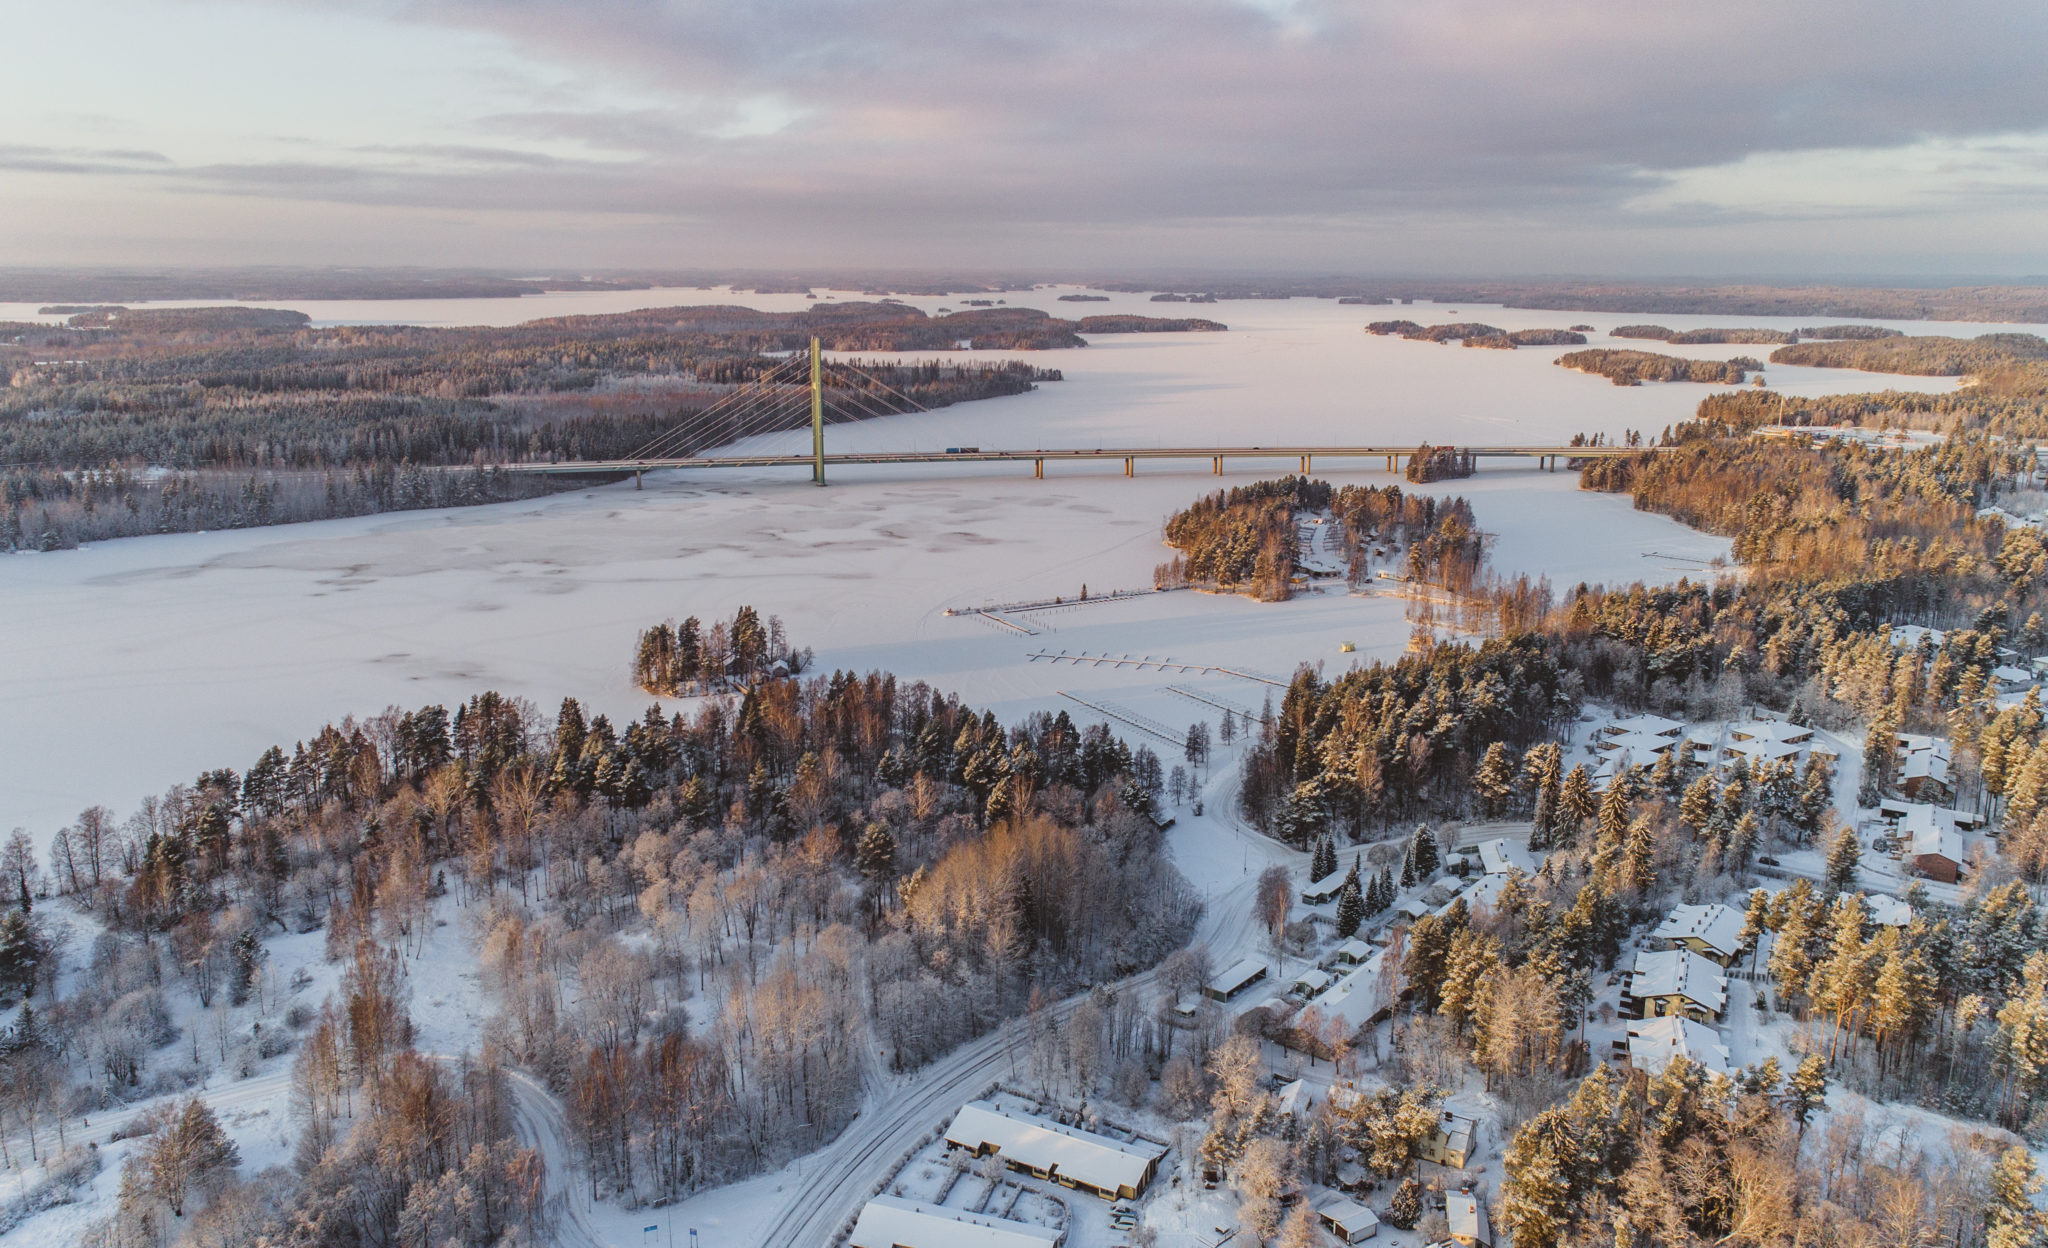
(1451, 137)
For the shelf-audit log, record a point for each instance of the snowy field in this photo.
(132, 665)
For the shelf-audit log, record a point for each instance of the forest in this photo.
(1929, 355)
(180, 419)
(679, 921)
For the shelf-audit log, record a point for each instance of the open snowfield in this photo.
(131, 665)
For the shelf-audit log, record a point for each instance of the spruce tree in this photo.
(1880, 757)
(1408, 866)
(1424, 850)
(1576, 802)
(875, 857)
(1350, 909)
(1845, 853)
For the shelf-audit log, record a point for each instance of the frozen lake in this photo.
(132, 665)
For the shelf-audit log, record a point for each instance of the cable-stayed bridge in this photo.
(805, 392)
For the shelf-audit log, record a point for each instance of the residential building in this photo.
(1653, 1042)
(1349, 1221)
(1069, 1156)
(1231, 983)
(1712, 931)
(1467, 1217)
(893, 1222)
(1676, 981)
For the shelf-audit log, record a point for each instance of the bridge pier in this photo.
(1130, 466)
(1038, 469)
(1219, 465)
(636, 478)
(1307, 464)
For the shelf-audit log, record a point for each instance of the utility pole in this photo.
(817, 417)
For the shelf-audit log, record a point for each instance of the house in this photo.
(1640, 744)
(1468, 1220)
(1909, 637)
(1500, 856)
(1923, 766)
(892, 1222)
(1653, 1042)
(1356, 998)
(1676, 981)
(1326, 889)
(1454, 1142)
(1933, 845)
(1713, 932)
(1349, 1221)
(1887, 911)
(1353, 951)
(1895, 812)
(1229, 984)
(1292, 1099)
(1651, 725)
(1776, 730)
(1757, 750)
(2011, 679)
(1045, 1149)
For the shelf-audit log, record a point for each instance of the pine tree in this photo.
(1743, 842)
(21, 956)
(1807, 1090)
(1576, 800)
(1494, 779)
(1880, 757)
(1845, 853)
(2010, 1218)
(1406, 1208)
(1696, 808)
(190, 1151)
(1408, 866)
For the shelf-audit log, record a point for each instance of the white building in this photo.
(1712, 931)
(1235, 980)
(1677, 981)
(1653, 1042)
(1045, 1149)
(892, 1222)
(1652, 725)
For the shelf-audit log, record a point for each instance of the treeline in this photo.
(1632, 368)
(884, 326)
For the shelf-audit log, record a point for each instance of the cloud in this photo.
(877, 124)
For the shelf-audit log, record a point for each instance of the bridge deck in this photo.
(1071, 455)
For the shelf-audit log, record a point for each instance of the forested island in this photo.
(1476, 334)
(130, 421)
(1245, 539)
(1632, 368)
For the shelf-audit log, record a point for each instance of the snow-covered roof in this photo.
(1717, 927)
(1907, 636)
(1770, 730)
(1347, 1213)
(1654, 725)
(1762, 751)
(1653, 1042)
(1289, 1098)
(1356, 998)
(1679, 972)
(1500, 855)
(1238, 976)
(1915, 743)
(2007, 674)
(893, 1222)
(1324, 887)
(1637, 742)
(1886, 910)
(1354, 949)
(1936, 840)
(1043, 1144)
(1313, 981)
(1467, 1218)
